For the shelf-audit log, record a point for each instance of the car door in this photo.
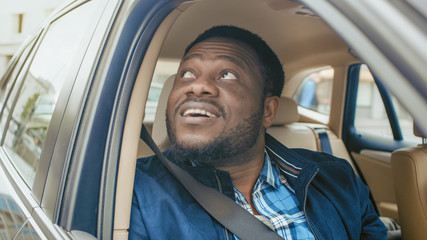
(375, 125)
(33, 113)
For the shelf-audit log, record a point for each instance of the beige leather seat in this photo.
(158, 131)
(294, 134)
(409, 167)
(286, 129)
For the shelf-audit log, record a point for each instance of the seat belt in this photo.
(324, 140)
(231, 215)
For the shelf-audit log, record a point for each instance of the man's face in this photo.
(215, 108)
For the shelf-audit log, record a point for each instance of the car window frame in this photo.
(359, 140)
(65, 167)
(139, 22)
(390, 109)
(29, 42)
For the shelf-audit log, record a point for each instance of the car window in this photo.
(11, 216)
(9, 83)
(315, 90)
(152, 101)
(28, 124)
(371, 116)
(164, 69)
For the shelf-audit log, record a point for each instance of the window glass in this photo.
(11, 215)
(315, 91)
(39, 92)
(152, 101)
(371, 116)
(8, 84)
(27, 232)
(164, 69)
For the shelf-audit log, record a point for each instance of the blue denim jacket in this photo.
(334, 200)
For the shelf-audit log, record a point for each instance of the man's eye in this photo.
(228, 75)
(188, 74)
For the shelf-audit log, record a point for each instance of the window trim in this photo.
(57, 161)
(15, 64)
(356, 141)
(17, 56)
(14, 96)
(389, 108)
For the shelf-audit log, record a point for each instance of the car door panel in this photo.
(376, 168)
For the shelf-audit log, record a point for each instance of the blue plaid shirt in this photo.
(275, 200)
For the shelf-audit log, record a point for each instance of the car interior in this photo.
(304, 44)
(408, 165)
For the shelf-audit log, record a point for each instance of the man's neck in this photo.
(245, 176)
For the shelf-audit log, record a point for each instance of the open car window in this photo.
(315, 91)
(371, 116)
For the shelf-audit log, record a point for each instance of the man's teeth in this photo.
(190, 112)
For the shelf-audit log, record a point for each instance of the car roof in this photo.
(299, 37)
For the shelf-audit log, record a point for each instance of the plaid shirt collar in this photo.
(271, 175)
(268, 174)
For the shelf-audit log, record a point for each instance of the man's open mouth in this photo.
(195, 112)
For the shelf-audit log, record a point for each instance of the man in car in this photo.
(225, 96)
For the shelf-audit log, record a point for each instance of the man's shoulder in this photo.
(300, 158)
(328, 164)
(150, 167)
(320, 158)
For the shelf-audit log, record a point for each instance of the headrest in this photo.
(417, 132)
(287, 112)
(159, 133)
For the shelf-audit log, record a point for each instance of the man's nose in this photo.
(203, 86)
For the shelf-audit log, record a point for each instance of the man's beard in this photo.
(229, 143)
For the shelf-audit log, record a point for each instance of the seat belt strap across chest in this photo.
(231, 215)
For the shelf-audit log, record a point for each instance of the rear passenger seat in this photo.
(294, 134)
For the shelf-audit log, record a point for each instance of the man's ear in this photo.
(271, 104)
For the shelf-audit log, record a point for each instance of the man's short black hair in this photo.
(271, 68)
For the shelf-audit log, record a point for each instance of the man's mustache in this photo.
(203, 100)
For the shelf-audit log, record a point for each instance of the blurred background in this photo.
(18, 20)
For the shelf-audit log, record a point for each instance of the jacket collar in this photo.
(298, 170)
